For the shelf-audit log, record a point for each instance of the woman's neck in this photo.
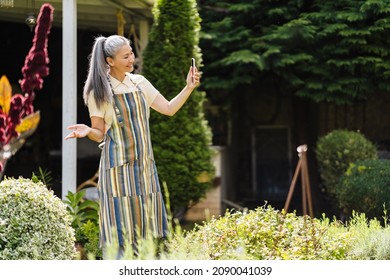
(119, 76)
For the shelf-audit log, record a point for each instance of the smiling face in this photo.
(122, 61)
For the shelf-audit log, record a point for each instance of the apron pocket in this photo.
(123, 180)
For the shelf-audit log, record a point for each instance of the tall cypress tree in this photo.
(181, 143)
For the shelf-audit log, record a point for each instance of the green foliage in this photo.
(336, 151)
(267, 234)
(85, 221)
(365, 188)
(44, 176)
(34, 223)
(181, 143)
(90, 230)
(370, 241)
(335, 51)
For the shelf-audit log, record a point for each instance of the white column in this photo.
(69, 94)
(143, 34)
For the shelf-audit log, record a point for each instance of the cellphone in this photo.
(193, 68)
(193, 62)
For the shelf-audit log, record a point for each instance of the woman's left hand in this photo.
(193, 77)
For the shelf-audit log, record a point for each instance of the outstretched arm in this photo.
(95, 132)
(163, 106)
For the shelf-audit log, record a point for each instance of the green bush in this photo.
(266, 234)
(34, 223)
(182, 142)
(336, 151)
(365, 188)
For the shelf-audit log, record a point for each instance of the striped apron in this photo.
(131, 202)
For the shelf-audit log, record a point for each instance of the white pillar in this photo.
(143, 34)
(69, 94)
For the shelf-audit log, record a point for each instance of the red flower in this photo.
(15, 109)
(35, 65)
(3, 121)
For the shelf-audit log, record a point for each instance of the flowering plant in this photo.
(16, 122)
(34, 223)
(17, 117)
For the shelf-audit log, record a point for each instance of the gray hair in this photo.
(97, 79)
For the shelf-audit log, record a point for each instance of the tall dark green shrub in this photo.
(181, 143)
(334, 51)
(365, 188)
(337, 150)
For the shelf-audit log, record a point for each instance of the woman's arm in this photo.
(95, 132)
(163, 106)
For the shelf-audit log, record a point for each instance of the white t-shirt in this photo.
(129, 84)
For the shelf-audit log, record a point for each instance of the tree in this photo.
(182, 142)
(334, 51)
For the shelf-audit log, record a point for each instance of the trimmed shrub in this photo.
(266, 234)
(181, 143)
(365, 188)
(34, 223)
(336, 151)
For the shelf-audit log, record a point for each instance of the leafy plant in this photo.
(91, 246)
(264, 233)
(334, 51)
(44, 176)
(370, 241)
(336, 150)
(267, 234)
(365, 188)
(81, 211)
(34, 223)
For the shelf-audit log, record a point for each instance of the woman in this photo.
(131, 202)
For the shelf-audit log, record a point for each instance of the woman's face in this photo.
(123, 61)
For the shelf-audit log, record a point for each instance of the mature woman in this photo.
(131, 202)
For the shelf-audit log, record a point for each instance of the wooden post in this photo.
(306, 181)
(292, 186)
(301, 168)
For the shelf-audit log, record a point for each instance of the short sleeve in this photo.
(94, 111)
(150, 91)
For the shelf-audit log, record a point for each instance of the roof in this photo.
(91, 14)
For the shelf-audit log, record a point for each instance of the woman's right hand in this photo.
(78, 131)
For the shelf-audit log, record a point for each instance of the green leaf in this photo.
(244, 57)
